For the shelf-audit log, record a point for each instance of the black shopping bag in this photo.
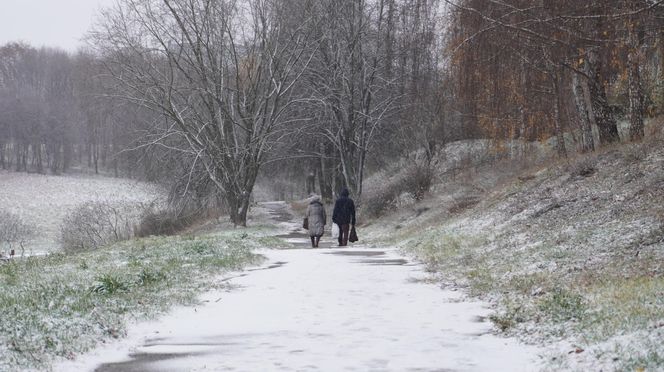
(352, 237)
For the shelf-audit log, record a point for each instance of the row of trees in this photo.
(55, 114)
(208, 95)
(374, 90)
(242, 84)
(42, 122)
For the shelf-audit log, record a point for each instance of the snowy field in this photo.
(43, 200)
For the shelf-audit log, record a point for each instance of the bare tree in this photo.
(350, 88)
(220, 73)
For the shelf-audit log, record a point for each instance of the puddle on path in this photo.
(143, 362)
(163, 341)
(479, 319)
(386, 262)
(358, 253)
(271, 266)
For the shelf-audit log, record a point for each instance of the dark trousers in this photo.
(343, 234)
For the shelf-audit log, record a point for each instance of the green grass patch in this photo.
(562, 305)
(481, 280)
(436, 250)
(624, 305)
(63, 305)
(648, 357)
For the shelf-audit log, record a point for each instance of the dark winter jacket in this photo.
(344, 210)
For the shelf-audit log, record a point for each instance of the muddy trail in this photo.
(327, 309)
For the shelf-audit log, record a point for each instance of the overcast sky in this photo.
(55, 23)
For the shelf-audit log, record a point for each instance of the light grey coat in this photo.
(317, 218)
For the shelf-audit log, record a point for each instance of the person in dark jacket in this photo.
(344, 216)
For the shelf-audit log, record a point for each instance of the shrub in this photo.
(418, 181)
(414, 181)
(634, 153)
(13, 232)
(95, 224)
(383, 199)
(464, 203)
(161, 222)
(582, 169)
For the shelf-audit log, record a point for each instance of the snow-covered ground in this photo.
(332, 309)
(43, 200)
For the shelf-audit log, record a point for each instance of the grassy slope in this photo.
(571, 254)
(61, 305)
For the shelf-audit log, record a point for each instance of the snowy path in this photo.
(346, 309)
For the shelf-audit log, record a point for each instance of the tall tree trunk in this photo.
(347, 158)
(104, 155)
(25, 156)
(606, 122)
(67, 151)
(18, 157)
(37, 157)
(587, 140)
(389, 37)
(310, 180)
(89, 148)
(324, 175)
(238, 206)
(245, 201)
(233, 204)
(557, 110)
(635, 87)
(95, 157)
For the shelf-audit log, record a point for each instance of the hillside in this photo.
(570, 253)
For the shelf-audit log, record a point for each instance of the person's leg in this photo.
(313, 242)
(343, 233)
(340, 238)
(317, 240)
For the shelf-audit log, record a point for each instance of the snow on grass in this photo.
(42, 201)
(321, 310)
(568, 258)
(62, 305)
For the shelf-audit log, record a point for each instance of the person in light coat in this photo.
(317, 220)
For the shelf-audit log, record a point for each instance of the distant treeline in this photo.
(54, 114)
